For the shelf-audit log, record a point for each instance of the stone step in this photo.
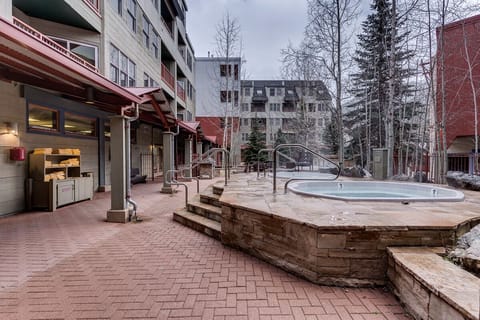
(199, 223)
(211, 198)
(204, 209)
(218, 188)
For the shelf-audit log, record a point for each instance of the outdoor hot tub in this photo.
(375, 191)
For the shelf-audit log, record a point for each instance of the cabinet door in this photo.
(65, 192)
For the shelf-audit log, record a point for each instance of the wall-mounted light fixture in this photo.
(10, 128)
(90, 95)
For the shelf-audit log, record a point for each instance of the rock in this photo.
(467, 252)
(458, 179)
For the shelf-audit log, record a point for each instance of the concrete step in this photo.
(199, 223)
(204, 209)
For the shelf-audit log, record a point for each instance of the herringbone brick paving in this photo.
(70, 264)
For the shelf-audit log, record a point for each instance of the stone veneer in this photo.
(320, 246)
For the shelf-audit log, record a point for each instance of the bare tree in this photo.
(328, 35)
(228, 45)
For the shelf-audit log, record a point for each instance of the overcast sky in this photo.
(266, 27)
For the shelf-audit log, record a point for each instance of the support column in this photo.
(188, 156)
(168, 160)
(199, 149)
(119, 208)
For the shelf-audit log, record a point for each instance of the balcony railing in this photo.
(165, 24)
(52, 44)
(94, 5)
(167, 77)
(180, 91)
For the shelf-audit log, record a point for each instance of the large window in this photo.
(122, 69)
(75, 124)
(272, 92)
(42, 118)
(87, 52)
(274, 106)
(245, 107)
(146, 32)
(132, 14)
(246, 92)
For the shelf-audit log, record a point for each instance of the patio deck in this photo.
(70, 264)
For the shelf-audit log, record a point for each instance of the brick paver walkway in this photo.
(70, 264)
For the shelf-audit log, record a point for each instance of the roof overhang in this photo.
(29, 57)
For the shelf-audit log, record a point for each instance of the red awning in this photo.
(187, 126)
(212, 139)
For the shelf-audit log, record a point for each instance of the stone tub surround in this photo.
(330, 241)
(431, 287)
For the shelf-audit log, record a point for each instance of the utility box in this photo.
(380, 163)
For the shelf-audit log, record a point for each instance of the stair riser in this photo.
(217, 190)
(210, 200)
(204, 212)
(198, 227)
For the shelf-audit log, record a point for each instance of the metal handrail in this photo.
(304, 148)
(258, 161)
(176, 183)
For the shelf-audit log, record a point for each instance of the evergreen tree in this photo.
(371, 83)
(331, 135)
(281, 138)
(256, 142)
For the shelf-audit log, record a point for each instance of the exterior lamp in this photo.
(10, 128)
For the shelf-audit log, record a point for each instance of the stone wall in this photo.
(330, 255)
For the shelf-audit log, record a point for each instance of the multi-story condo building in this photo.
(295, 108)
(67, 67)
(218, 82)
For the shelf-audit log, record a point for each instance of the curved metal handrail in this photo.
(174, 182)
(304, 148)
(258, 161)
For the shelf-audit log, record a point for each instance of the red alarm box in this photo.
(17, 154)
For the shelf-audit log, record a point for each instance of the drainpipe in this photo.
(127, 160)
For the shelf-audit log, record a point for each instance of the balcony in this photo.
(52, 44)
(180, 91)
(168, 78)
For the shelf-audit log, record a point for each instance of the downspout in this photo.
(127, 160)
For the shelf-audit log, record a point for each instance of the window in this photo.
(131, 73)
(274, 106)
(244, 136)
(225, 70)
(75, 124)
(146, 80)
(274, 121)
(259, 92)
(117, 6)
(322, 107)
(114, 64)
(311, 91)
(223, 96)
(245, 107)
(146, 32)
(235, 71)
(279, 91)
(87, 52)
(247, 91)
(235, 97)
(272, 92)
(131, 15)
(42, 118)
(122, 69)
(244, 121)
(311, 107)
(155, 44)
